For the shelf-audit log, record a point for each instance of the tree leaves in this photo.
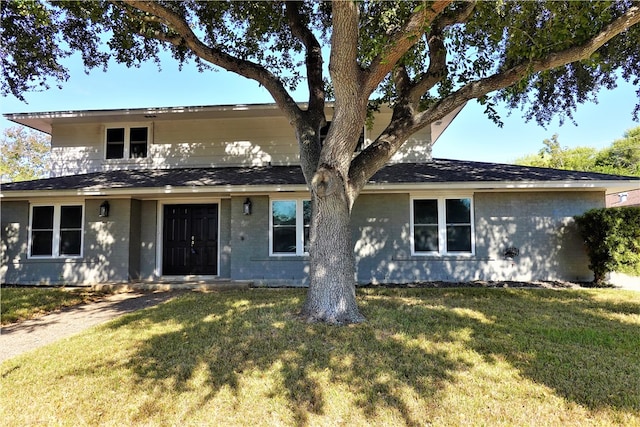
(621, 158)
(29, 47)
(479, 42)
(24, 154)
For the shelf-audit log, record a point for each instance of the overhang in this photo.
(44, 121)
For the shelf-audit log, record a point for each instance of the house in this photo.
(624, 198)
(215, 193)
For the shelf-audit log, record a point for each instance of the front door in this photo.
(190, 240)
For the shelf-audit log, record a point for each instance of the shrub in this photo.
(612, 237)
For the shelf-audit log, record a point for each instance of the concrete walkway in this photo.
(624, 281)
(18, 338)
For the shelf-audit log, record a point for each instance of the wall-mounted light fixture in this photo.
(104, 209)
(246, 207)
(511, 253)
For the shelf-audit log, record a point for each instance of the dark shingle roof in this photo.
(436, 171)
(179, 177)
(442, 170)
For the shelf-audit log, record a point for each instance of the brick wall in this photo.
(624, 198)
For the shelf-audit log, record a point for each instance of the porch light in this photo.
(104, 209)
(246, 207)
(511, 253)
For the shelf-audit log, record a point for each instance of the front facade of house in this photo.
(216, 193)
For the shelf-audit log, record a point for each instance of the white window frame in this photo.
(55, 241)
(126, 153)
(442, 225)
(299, 225)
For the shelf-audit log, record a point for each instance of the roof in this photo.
(444, 170)
(434, 174)
(44, 121)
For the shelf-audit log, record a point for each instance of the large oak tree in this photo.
(425, 59)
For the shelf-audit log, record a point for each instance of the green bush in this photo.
(612, 237)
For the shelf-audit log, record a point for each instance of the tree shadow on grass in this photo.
(564, 340)
(585, 348)
(231, 334)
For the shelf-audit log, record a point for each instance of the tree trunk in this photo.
(331, 297)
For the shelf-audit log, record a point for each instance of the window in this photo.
(127, 142)
(425, 225)
(442, 226)
(42, 231)
(290, 223)
(56, 231)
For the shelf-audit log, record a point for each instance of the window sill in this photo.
(282, 257)
(439, 257)
(134, 161)
(61, 259)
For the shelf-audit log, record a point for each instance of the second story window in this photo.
(127, 142)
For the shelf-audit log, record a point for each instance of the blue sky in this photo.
(470, 137)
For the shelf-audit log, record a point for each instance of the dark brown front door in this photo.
(190, 240)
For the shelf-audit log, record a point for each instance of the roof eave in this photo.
(43, 121)
(486, 186)
(604, 185)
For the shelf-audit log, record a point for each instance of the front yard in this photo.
(425, 357)
(21, 303)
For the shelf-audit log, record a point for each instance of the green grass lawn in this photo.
(425, 357)
(29, 302)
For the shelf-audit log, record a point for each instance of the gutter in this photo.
(373, 188)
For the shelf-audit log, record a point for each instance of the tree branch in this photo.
(309, 136)
(407, 36)
(215, 56)
(313, 57)
(511, 75)
(344, 48)
(391, 139)
(401, 78)
(350, 105)
(437, 52)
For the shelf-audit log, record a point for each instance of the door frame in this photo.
(160, 237)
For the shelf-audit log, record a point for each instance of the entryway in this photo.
(190, 240)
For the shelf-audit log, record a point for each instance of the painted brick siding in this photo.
(380, 230)
(186, 141)
(124, 246)
(224, 235)
(134, 240)
(105, 247)
(250, 248)
(625, 198)
(539, 224)
(14, 241)
(148, 244)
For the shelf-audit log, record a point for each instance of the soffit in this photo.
(43, 121)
